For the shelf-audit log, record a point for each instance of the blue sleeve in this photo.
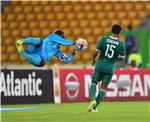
(60, 40)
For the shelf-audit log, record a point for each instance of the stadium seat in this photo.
(36, 32)
(81, 15)
(13, 57)
(63, 24)
(95, 23)
(132, 14)
(18, 9)
(143, 14)
(10, 17)
(125, 22)
(111, 15)
(13, 25)
(53, 24)
(78, 8)
(115, 21)
(8, 9)
(6, 32)
(71, 15)
(33, 24)
(51, 16)
(84, 23)
(4, 24)
(40, 16)
(58, 8)
(48, 8)
(74, 23)
(77, 32)
(91, 15)
(8, 41)
(25, 2)
(35, 3)
(147, 6)
(139, 6)
(43, 24)
(37, 9)
(68, 8)
(88, 7)
(60, 16)
(26, 33)
(98, 31)
(105, 23)
(11, 49)
(122, 14)
(101, 15)
(98, 6)
(135, 22)
(16, 32)
(23, 24)
(44, 3)
(108, 7)
(118, 6)
(4, 57)
(31, 16)
(21, 17)
(128, 6)
(28, 9)
(14, 3)
(87, 31)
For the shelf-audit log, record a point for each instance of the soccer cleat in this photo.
(19, 46)
(92, 104)
(94, 110)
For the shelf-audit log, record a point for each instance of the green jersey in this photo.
(110, 49)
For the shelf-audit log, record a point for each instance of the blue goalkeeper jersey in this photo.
(50, 46)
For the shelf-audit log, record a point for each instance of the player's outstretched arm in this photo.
(62, 41)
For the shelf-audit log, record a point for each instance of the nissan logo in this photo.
(72, 85)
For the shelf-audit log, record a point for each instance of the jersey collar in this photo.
(113, 37)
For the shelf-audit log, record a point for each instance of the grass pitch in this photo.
(76, 112)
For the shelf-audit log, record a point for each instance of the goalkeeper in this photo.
(41, 51)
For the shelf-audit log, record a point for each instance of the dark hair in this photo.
(60, 33)
(133, 63)
(116, 29)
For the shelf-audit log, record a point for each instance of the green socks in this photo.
(100, 97)
(93, 91)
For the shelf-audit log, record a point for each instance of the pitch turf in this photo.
(76, 112)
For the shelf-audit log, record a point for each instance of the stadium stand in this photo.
(21, 19)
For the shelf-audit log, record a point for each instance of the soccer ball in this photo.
(81, 44)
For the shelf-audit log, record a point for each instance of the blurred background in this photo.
(88, 19)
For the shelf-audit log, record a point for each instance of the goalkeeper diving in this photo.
(41, 51)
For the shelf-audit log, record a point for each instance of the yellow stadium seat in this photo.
(48, 8)
(78, 8)
(128, 6)
(67, 31)
(26, 32)
(67, 8)
(132, 14)
(61, 16)
(18, 9)
(23, 24)
(139, 6)
(118, 6)
(43, 24)
(30, 16)
(21, 17)
(8, 41)
(77, 31)
(10, 17)
(71, 15)
(25, 2)
(91, 15)
(78, 56)
(106, 30)
(28, 9)
(101, 15)
(6, 33)
(108, 7)
(58, 8)
(8, 9)
(88, 7)
(105, 23)
(122, 14)
(147, 6)
(44, 2)
(98, 30)
(16, 32)
(13, 25)
(95, 23)
(3, 17)
(45, 32)
(87, 31)
(41, 16)
(84, 23)
(111, 15)
(115, 21)
(11, 49)
(74, 23)
(4, 24)
(3, 49)
(98, 6)
(15, 3)
(63, 24)
(37, 9)
(35, 2)
(36, 32)
(125, 22)
(4, 57)
(143, 14)
(91, 39)
(136, 22)
(92, 47)
(81, 15)
(53, 24)
(13, 57)
(33, 24)
(51, 17)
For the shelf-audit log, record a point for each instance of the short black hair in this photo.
(116, 29)
(60, 33)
